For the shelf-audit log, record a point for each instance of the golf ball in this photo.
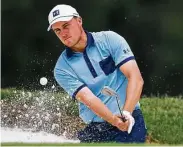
(43, 81)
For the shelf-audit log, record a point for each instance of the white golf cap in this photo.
(61, 13)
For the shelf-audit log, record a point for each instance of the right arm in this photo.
(97, 106)
(69, 81)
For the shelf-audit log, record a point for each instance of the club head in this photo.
(108, 91)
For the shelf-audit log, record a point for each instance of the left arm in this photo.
(135, 84)
(124, 60)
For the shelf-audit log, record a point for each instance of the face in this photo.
(69, 32)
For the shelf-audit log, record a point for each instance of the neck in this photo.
(81, 44)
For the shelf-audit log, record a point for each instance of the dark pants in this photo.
(104, 132)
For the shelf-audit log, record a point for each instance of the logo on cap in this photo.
(56, 13)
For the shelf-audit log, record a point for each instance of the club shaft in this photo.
(110, 92)
(121, 111)
(117, 99)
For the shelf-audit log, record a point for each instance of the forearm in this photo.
(100, 109)
(96, 105)
(134, 90)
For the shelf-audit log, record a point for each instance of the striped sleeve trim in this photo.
(77, 90)
(126, 60)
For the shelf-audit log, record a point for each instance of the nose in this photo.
(64, 34)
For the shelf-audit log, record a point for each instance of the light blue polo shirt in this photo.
(96, 67)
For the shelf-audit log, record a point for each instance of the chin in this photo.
(69, 45)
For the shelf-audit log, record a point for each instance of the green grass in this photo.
(164, 119)
(163, 116)
(74, 144)
(6, 93)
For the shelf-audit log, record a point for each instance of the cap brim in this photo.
(59, 19)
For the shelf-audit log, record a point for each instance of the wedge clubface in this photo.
(110, 92)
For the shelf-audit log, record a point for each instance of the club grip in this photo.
(123, 118)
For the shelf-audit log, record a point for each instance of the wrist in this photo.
(125, 112)
(128, 108)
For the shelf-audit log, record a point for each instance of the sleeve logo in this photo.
(126, 50)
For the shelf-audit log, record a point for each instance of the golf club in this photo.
(110, 92)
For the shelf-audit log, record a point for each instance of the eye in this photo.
(57, 31)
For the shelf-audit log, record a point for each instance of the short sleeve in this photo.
(68, 81)
(119, 48)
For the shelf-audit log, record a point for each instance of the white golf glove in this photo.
(131, 120)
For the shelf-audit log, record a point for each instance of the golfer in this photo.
(90, 62)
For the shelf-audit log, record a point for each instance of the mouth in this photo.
(67, 38)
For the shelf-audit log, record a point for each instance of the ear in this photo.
(80, 20)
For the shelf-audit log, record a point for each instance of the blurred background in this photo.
(153, 29)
